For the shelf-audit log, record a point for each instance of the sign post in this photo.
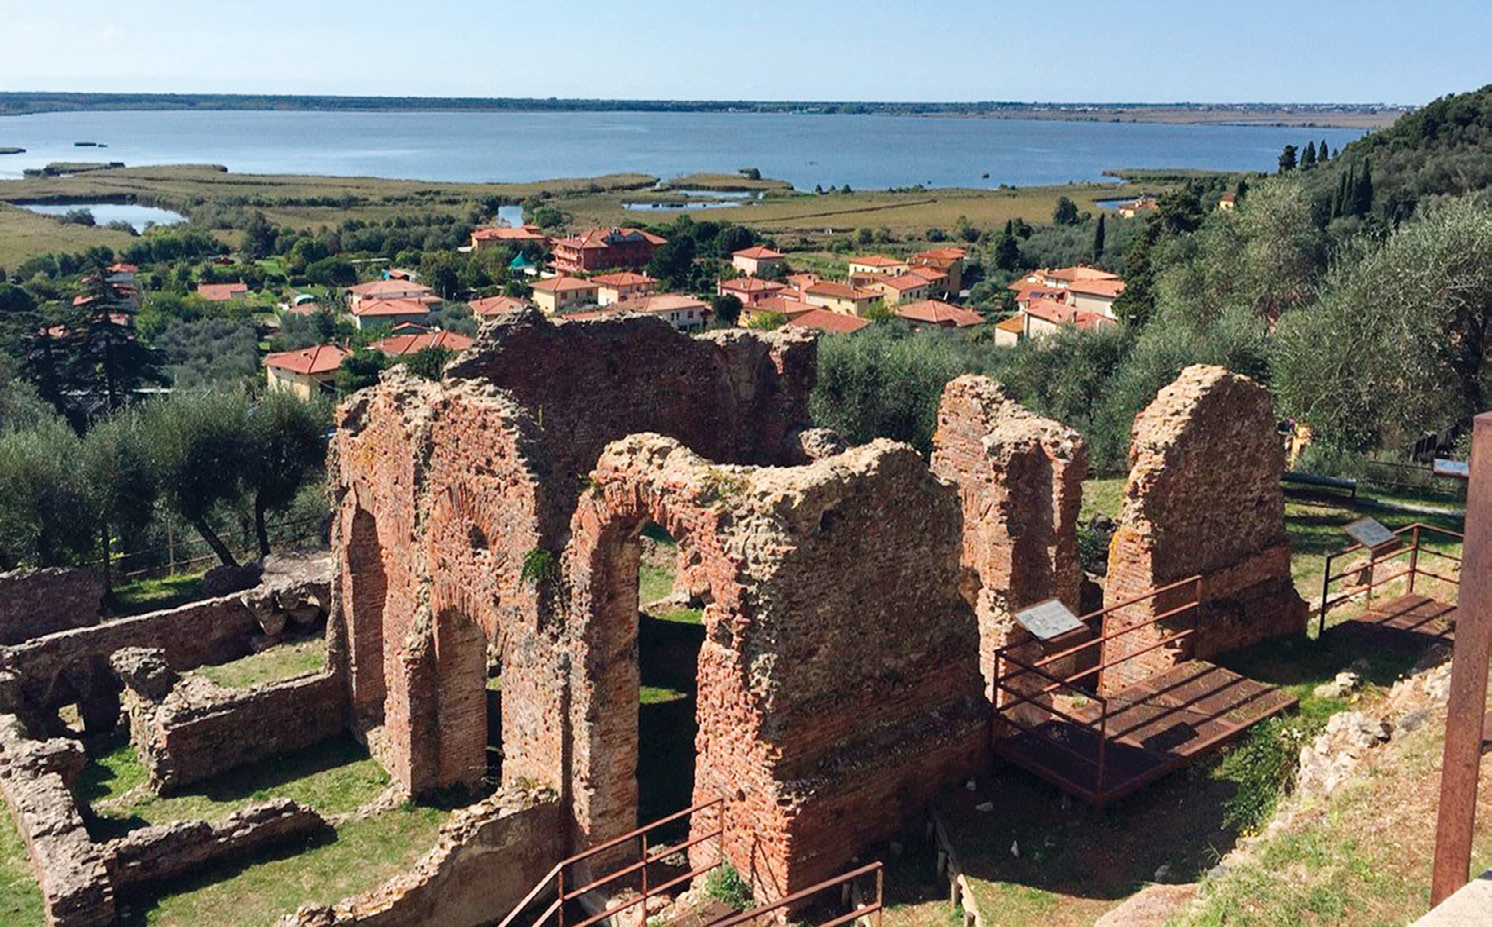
(1466, 712)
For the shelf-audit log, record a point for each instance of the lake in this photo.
(104, 213)
(866, 152)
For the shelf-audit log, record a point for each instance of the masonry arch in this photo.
(461, 700)
(366, 582)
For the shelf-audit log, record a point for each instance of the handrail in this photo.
(554, 878)
(1413, 550)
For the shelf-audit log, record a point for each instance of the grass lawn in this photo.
(333, 777)
(364, 854)
(20, 897)
(279, 662)
(148, 595)
(24, 233)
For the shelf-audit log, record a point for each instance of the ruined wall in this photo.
(152, 855)
(838, 679)
(442, 491)
(486, 859)
(1203, 497)
(191, 729)
(1020, 480)
(38, 602)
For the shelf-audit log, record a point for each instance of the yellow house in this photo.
(840, 297)
(878, 265)
(624, 285)
(306, 372)
(554, 295)
(903, 288)
(753, 262)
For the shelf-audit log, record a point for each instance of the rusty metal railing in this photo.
(871, 909)
(555, 879)
(1414, 550)
(1009, 697)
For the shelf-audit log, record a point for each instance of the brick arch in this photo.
(365, 580)
(601, 566)
(460, 736)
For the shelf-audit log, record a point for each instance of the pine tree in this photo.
(1308, 160)
(1098, 236)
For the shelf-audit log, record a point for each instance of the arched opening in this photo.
(367, 591)
(461, 701)
(670, 632)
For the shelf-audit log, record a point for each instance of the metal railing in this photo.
(871, 909)
(1099, 725)
(1414, 550)
(555, 879)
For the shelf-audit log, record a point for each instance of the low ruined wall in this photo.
(157, 854)
(35, 777)
(488, 857)
(38, 602)
(190, 730)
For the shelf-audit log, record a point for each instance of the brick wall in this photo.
(1203, 498)
(38, 602)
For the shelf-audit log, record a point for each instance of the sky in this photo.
(1354, 51)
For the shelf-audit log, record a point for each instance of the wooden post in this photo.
(1466, 713)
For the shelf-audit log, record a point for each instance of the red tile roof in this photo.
(390, 307)
(507, 233)
(782, 305)
(937, 312)
(1075, 273)
(399, 345)
(621, 279)
(563, 284)
(949, 253)
(759, 253)
(930, 274)
(752, 285)
(1106, 288)
(605, 238)
(498, 305)
(658, 304)
(375, 289)
(321, 358)
(827, 320)
(1063, 314)
(220, 292)
(123, 269)
(876, 260)
(906, 281)
(834, 290)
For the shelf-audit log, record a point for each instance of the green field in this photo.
(24, 233)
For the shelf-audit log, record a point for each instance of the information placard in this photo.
(1370, 533)
(1455, 469)
(1049, 620)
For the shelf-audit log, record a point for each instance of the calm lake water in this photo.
(104, 213)
(866, 152)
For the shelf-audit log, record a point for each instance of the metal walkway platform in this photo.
(1407, 622)
(1153, 728)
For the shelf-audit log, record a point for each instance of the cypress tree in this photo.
(1323, 154)
(1240, 191)
(1363, 194)
(1098, 236)
(1287, 159)
(1308, 160)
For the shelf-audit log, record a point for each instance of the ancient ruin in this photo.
(483, 634)
(1203, 499)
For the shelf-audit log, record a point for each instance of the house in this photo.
(623, 285)
(1044, 316)
(494, 306)
(388, 312)
(399, 273)
(1131, 208)
(498, 235)
(223, 292)
(599, 250)
(1095, 295)
(390, 290)
(949, 260)
(1082, 287)
(827, 320)
(121, 275)
(686, 313)
(840, 297)
(1228, 201)
(758, 260)
(903, 288)
(413, 342)
(784, 306)
(937, 280)
(877, 265)
(797, 283)
(1009, 332)
(303, 307)
(750, 290)
(933, 313)
(306, 372)
(554, 295)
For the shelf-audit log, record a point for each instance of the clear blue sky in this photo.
(1395, 51)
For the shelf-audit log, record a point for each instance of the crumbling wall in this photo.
(1203, 498)
(36, 779)
(190, 729)
(34, 603)
(152, 855)
(486, 859)
(1020, 480)
(838, 684)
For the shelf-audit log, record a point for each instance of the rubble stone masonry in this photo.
(38, 602)
(1203, 498)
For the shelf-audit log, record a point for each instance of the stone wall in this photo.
(153, 855)
(189, 730)
(487, 858)
(38, 602)
(1020, 479)
(36, 779)
(1203, 498)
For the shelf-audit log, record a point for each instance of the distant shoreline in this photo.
(1303, 115)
